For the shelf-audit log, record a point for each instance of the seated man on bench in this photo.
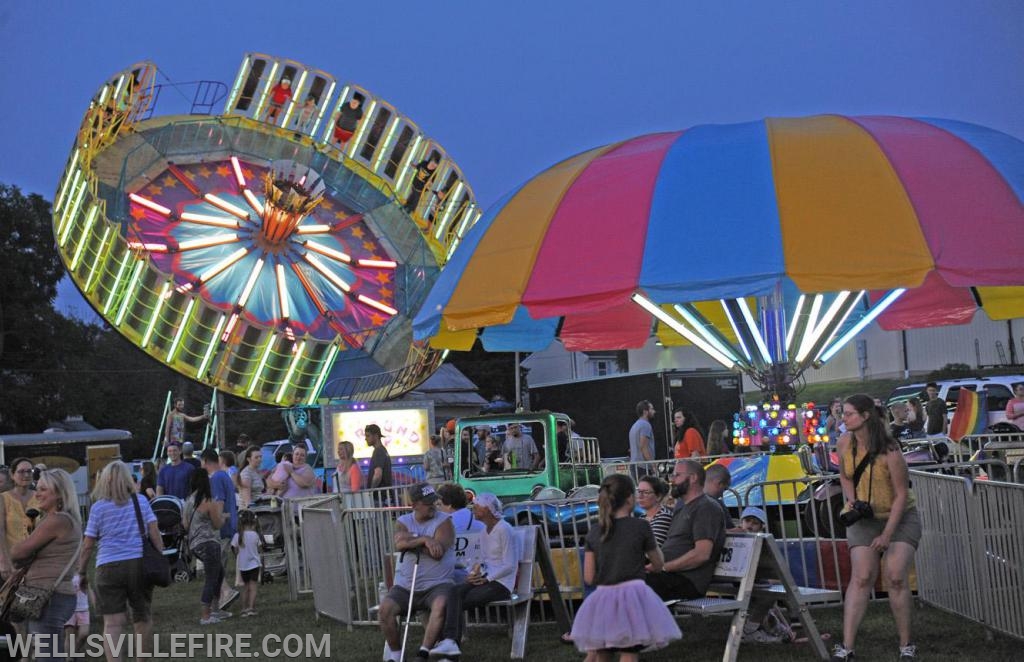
(429, 533)
(695, 538)
(490, 580)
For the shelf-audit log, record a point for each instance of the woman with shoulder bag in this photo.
(50, 552)
(120, 580)
(882, 524)
(203, 518)
(14, 506)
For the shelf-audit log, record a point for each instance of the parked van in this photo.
(998, 391)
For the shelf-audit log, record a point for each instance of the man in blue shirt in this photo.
(174, 478)
(223, 490)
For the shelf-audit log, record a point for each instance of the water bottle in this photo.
(382, 592)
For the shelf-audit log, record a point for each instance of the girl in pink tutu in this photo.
(623, 615)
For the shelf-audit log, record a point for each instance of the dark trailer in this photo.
(605, 407)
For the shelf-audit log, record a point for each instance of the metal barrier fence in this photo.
(971, 558)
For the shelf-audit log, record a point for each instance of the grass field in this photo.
(940, 636)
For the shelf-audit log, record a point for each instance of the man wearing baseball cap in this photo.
(380, 462)
(493, 578)
(427, 533)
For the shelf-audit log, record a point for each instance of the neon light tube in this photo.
(811, 339)
(239, 178)
(251, 283)
(208, 355)
(324, 371)
(748, 317)
(143, 246)
(70, 191)
(259, 367)
(117, 282)
(792, 327)
(736, 330)
(406, 168)
(674, 324)
(312, 229)
(465, 220)
(323, 108)
(149, 204)
(378, 264)
(384, 308)
(253, 201)
(181, 329)
(266, 90)
(699, 327)
(452, 197)
(206, 219)
(835, 329)
(103, 93)
(296, 90)
(206, 242)
(327, 273)
(223, 264)
(156, 313)
(64, 188)
(129, 293)
(232, 321)
(233, 97)
(875, 311)
(291, 371)
(99, 256)
(812, 324)
(224, 205)
(382, 148)
(90, 220)
(282, 290)
(69, 217)
(328, 251)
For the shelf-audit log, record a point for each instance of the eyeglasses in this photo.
(645, 492)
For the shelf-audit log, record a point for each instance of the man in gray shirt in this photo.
(641, 435)
(695, 538)
(519, 450)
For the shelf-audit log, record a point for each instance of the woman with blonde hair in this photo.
(49, 553)
(114, 522)
(14, 506)
(349, 477)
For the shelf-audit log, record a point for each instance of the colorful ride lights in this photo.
(814, 426)
(771, 424)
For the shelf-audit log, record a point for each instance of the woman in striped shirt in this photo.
(650, 497)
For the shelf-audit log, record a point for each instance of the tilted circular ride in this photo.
(276, 250)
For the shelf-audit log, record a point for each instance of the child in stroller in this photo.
(169, 512)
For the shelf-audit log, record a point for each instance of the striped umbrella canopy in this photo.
(718, 230)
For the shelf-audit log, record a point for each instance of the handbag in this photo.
(156, 571)
(28, 602)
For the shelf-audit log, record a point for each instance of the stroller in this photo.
(270, 529)
(169, 511)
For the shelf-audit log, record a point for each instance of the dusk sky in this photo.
(510, 88)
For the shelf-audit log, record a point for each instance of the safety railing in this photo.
(970, 561)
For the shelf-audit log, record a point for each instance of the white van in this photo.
(998, 391)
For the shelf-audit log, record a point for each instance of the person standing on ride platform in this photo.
(348, 120)
(935, 408)
(174, 433)
(882, 524)
(279, 96)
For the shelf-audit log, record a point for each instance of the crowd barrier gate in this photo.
(971, 557)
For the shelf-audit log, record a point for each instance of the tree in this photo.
(29, 265)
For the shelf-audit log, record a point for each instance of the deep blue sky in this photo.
(510, 88)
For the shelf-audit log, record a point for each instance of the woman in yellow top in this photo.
(886, 533)
(14, 522)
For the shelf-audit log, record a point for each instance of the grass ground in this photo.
(940, 636)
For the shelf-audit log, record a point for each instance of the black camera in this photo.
(858, 511)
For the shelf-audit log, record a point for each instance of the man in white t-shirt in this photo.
(492, 579)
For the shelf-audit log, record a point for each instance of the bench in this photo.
(747, 562)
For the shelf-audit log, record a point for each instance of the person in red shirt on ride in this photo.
(279, 96)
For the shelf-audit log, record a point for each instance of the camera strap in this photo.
(859, 471)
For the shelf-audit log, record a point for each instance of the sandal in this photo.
(566, 638)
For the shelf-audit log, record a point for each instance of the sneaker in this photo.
(209, 620)
(422, 654)
(908, 652)
(447, 648)
(840, 653)
(221, 615)
(391, 655)
(231, 598)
